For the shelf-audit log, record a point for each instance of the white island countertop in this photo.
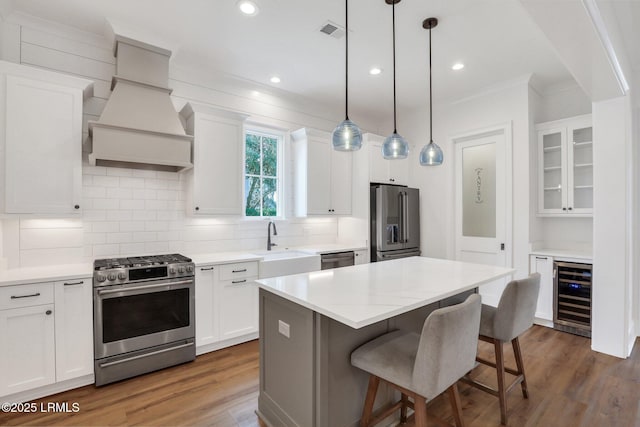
(361, 295)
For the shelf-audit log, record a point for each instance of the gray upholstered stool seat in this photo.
(422, 366)
(390, 356)
(506, 322)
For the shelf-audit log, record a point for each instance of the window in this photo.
(261, 173)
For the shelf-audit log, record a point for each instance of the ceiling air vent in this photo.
(333, 30)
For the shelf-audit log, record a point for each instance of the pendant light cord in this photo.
(430, 94)
(346, 77)
(393, 14)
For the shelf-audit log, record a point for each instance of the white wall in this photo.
(129, 211)
(611, 295)
(563, 101)
(506, 104)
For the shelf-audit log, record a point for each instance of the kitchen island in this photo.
(310, 323)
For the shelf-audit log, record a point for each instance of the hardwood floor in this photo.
(569, 385)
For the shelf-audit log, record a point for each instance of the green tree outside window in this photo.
(261, 174)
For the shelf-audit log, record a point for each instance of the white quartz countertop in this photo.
(18, 276)
(361, 295)
(568, 254)
(223, 257)
(330, 248)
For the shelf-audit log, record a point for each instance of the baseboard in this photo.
(48, 390)
(543, 322)
(226, 343)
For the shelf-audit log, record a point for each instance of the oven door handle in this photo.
(140, 356)
(137, 288)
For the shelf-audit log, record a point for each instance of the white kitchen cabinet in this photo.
(565, 167)
(41, 132)
(382, 170)
(322, 176)
(238, 299)
(361, 256)
(226, 305)
(206, 314)
(27, 353)
(544, 266)
(74, 328)
(215, 182)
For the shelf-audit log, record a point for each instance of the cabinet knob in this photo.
(564, 209)
(197, 208)
(48, 312)
(570, 209)
(76, 207)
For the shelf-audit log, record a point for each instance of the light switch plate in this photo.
(283, 328)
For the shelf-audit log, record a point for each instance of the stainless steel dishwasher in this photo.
(337, 259)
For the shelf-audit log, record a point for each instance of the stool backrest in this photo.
(517, 308)
(448, 347)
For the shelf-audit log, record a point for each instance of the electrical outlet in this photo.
(283, 328)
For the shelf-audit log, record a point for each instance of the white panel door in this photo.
(74, 328)
(544, 266)
(318, 177)
(206, 316)
(341, 180)
(481, 205)
(43, 147)
(239, 308)
(218, 164)
(27, 349)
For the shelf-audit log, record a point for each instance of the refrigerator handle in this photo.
(405, 220)
(401, 216)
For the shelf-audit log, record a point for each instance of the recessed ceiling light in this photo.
(457, 66)
(374, 71)
(248, 7)
(275, 79)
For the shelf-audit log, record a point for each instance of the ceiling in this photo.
(494, 38)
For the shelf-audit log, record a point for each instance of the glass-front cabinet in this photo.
(565, 167)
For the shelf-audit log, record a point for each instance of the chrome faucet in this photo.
(275, 233)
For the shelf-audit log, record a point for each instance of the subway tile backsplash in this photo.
(139, 212)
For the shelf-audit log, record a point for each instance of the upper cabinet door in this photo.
(43, 147)
(215, 183)
(341, 173)
(385, 171)
(318, 177)
(565, 167)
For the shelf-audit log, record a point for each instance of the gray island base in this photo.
(310, 323)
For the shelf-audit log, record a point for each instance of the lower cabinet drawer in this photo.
(239, 270)
(26, 295)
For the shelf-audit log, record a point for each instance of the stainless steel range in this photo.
(143, 315)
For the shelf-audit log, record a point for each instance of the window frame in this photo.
(280, 136)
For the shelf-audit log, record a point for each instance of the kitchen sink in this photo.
(283, 263)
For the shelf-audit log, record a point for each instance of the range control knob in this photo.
(112, 276)
(181, 269)
(122, 275)
(100, 278)
(172, 270)
(189, 268)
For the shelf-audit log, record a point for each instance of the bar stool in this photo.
(422, 366)
(504, 323)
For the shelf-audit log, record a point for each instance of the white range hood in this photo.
(139, 127)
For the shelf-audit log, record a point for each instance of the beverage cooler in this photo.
(572, 297)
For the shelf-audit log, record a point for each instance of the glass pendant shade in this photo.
(347, 136)
(395, 147)
(431, 155)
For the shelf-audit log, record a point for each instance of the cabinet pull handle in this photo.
(239, 271)
(37, 294)
(238, 281)
(541, 257)
(48, 312)
(206, 268)
(74, 283)
(570, 209)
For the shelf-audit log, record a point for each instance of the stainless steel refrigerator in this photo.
(395, 222)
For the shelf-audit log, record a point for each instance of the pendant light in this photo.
(347, 136)
(394, 147)
(431, 154)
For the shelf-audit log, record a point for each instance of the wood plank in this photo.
(64, 44)
(569, 385)
(32, 54)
